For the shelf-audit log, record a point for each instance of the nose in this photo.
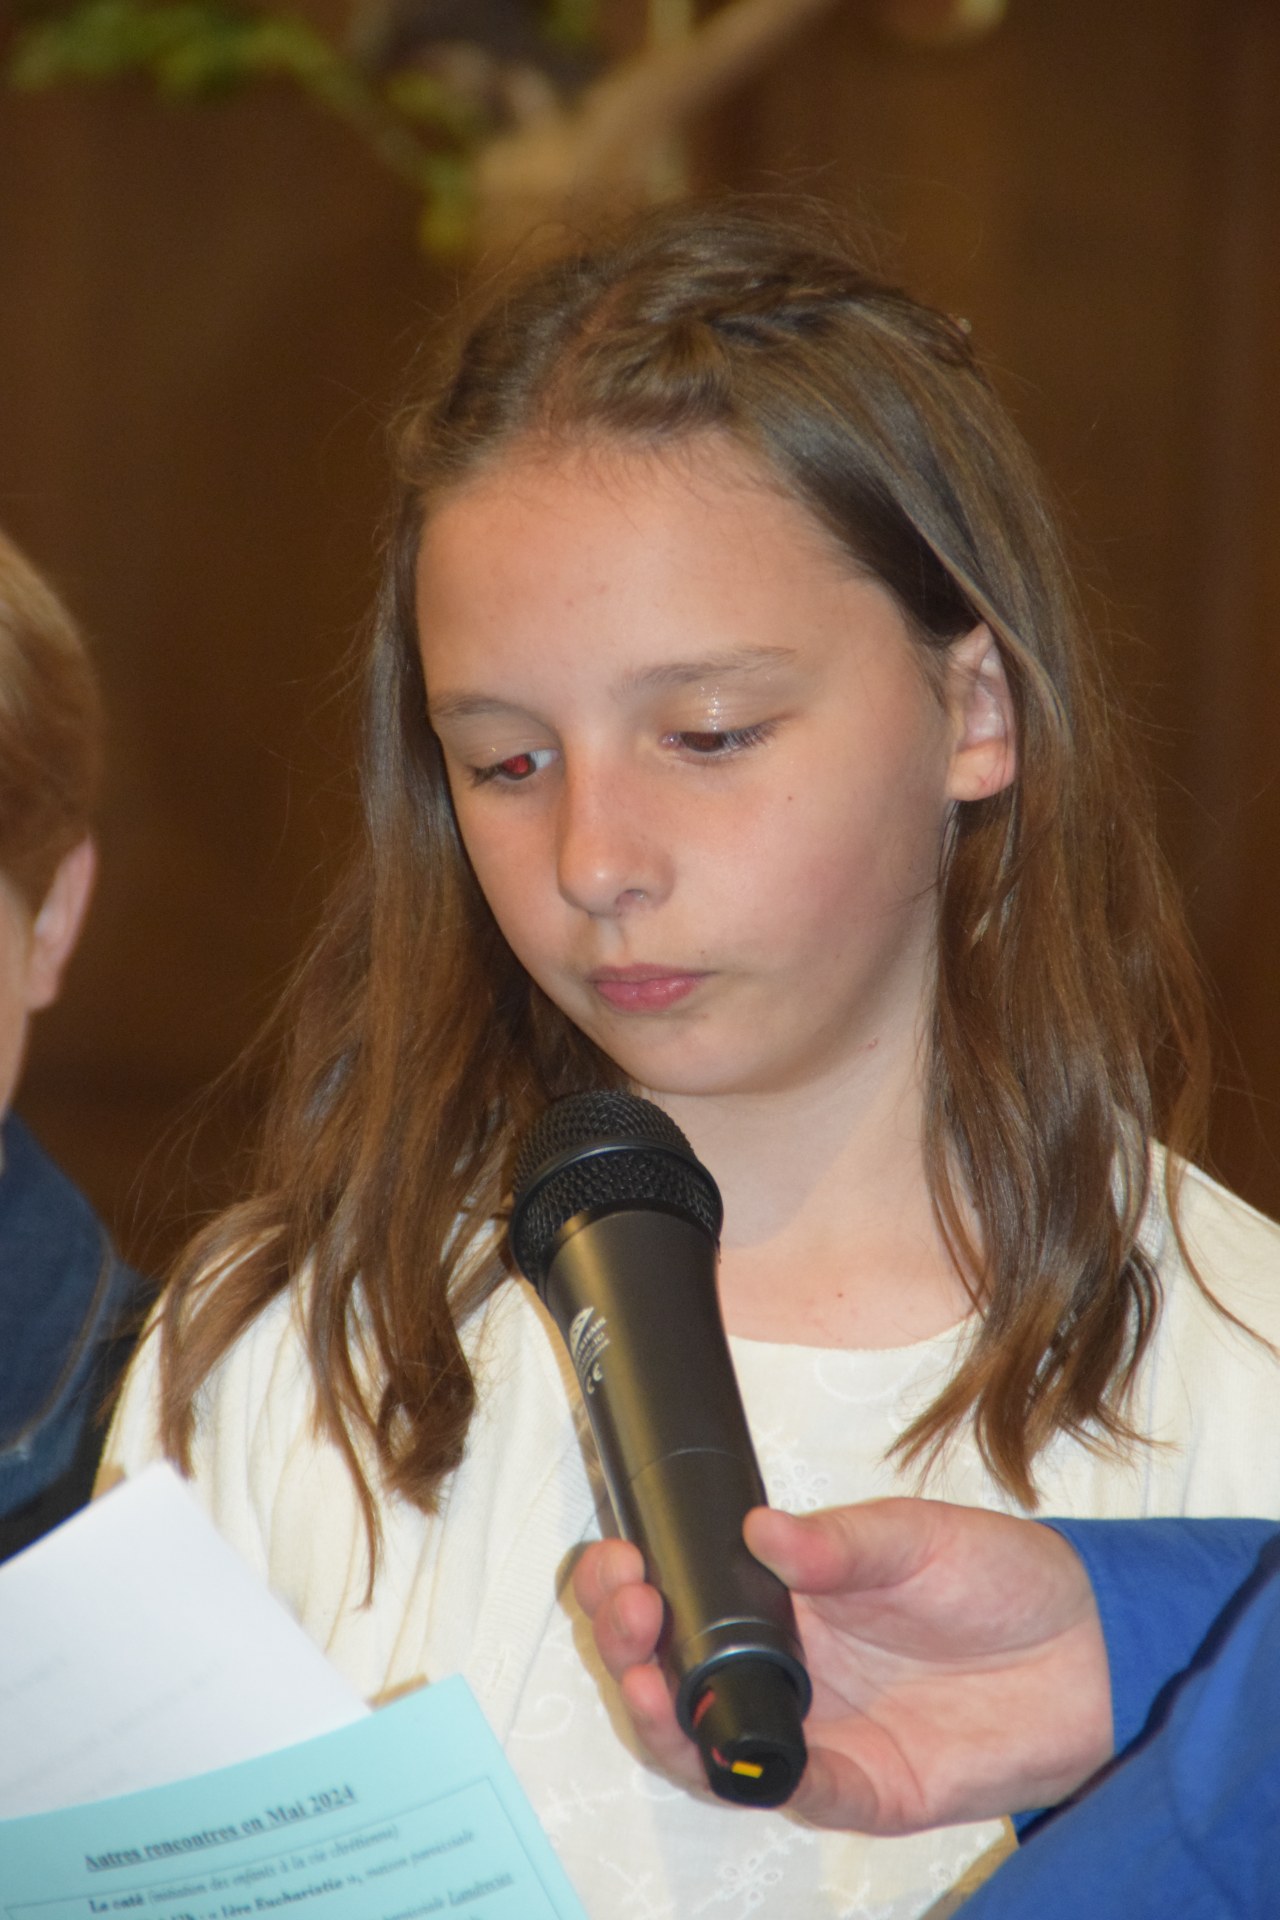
(611, 852)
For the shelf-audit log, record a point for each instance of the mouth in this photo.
(644, 989)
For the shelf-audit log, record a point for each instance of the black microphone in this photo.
(617, 1224)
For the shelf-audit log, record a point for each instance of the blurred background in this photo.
(209, 307)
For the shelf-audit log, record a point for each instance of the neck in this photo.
(830, 1236)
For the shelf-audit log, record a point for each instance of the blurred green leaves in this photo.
(422, 129)
(194, 48)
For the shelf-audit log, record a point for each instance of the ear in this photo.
(57, 925)
(984, 754)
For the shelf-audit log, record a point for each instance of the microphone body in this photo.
(616, 1223)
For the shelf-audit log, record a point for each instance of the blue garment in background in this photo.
(1185, 1825)
(68, 1307)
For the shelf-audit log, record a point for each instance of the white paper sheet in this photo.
(136, 1649)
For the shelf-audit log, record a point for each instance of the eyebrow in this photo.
(717, 666)
(740, 662)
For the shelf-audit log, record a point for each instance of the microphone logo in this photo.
(588, 1339)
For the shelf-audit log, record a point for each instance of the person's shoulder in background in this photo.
(70, 1310)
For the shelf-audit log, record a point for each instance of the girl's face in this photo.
(696, 764)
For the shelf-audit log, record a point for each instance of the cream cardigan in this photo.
(478, 1588)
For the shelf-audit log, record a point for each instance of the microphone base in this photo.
(746, 1721)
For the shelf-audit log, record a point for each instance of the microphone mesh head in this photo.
(602, 1150)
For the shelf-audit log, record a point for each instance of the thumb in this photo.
(848, 1549)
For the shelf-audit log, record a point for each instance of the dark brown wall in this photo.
(204, 316)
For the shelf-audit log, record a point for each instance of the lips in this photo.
(644, 989)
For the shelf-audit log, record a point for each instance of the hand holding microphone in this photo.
(616, 1224)
(959, 1668)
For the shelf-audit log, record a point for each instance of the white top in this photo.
(481, 1588)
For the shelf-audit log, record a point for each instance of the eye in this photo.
(719, 746)
(515, 769)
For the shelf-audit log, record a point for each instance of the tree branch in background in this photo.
(494, 112)
(601, 150)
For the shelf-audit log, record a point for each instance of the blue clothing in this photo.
(67, 1304)
(1186, 1821)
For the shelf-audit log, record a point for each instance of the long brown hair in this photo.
(1067, 1031)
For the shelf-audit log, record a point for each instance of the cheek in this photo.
(506, 871)
(854, 862)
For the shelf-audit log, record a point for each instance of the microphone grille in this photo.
(602, 1149)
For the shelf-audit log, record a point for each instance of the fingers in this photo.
(625, 1614)
(647, 1698)
(626, 1619)
(602, 1569)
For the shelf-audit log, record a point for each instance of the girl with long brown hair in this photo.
(733, 733)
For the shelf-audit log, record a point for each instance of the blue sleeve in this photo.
(1159, 1585)
(1187, 1822)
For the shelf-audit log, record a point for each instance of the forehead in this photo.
(712, 470)
(551, 584)
(696, 523)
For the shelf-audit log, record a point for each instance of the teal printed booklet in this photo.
(175, 1746)
(411, 1811)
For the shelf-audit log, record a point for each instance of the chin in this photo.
(673, 1059)
(690, 1079)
